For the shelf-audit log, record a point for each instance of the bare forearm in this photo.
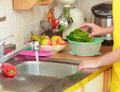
(109, 58)
(109, 29)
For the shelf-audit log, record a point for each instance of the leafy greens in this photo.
(79, 36)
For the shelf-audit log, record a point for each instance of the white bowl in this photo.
(53, 49)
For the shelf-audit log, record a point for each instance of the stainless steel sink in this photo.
(46, 68)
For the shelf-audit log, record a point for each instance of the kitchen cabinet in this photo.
(101, 83)
(95, 85)
(28, 4)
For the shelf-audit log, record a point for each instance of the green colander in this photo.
(86, 48)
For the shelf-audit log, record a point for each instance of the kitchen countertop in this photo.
(69, 82)
(65, 54)
(89, 73)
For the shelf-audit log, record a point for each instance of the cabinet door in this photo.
(95, 85)
(28, 4)
(100, 83)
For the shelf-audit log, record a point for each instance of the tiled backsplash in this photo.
(21, 22)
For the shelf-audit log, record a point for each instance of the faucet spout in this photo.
(13, 53)
(36, 49)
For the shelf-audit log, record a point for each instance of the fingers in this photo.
(86, 26)
(84, 29)
(90, 25)
(88, 64)
(81, 66)
(91, 35)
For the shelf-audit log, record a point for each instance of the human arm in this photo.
(106, 59)
(96, 30)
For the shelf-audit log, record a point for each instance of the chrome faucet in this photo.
(36, 49)
(6, 57)
(2, 44)
(2, 47)
(3, 57)
(36, 45)
(15, 52)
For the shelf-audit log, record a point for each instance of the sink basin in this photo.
(46, 68)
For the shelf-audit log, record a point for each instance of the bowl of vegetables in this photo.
(82, 45)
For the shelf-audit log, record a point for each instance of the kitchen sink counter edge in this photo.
(71, 83)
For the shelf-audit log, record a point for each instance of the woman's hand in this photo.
(96, 30)
(88, 64)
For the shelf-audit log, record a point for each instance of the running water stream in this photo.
(36, 49)
(37, 63)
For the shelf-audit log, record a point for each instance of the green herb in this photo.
(79, 36)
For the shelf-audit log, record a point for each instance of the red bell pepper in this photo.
(8, 70)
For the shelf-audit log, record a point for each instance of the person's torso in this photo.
(115, 86)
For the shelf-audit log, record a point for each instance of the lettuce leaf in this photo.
(79, 36)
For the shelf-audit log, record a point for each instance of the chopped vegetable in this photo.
(8, 70)
(79, 36)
